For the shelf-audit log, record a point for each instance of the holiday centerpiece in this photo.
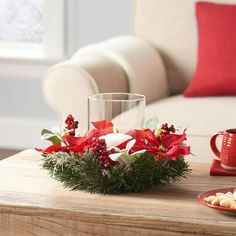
(107, 161)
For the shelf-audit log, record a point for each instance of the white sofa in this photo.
(158, 60)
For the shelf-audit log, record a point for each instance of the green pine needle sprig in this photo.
(135, 173)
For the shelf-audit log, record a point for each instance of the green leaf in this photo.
(45, 131)
(151, 123)
(54, 139)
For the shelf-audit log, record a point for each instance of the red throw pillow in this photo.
(216, 68)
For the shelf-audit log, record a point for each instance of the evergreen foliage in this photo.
(135, 173)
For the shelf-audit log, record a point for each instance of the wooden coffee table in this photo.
(31, 203)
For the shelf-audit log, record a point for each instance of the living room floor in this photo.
(7, 152)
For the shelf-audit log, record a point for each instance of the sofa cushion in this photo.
(201, 116)
(216, 67)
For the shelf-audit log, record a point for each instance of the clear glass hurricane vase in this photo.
(124, 110)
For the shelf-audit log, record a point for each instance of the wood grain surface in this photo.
(31, 203)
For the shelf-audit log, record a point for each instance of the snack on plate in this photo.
(223, 199)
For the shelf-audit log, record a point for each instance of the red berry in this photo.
(71, 124)
(99, 149)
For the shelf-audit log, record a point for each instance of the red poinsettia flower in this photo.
(167, 146)
(105, 126)
(80, 144)
(173, 146)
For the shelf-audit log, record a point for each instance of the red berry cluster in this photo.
(167, 130)
(99, 149)
(71, 124)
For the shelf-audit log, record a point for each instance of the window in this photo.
(21, 21)
(32, 29)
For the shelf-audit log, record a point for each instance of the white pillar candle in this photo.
(115, 139)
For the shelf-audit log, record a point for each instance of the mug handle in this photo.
(213, 143)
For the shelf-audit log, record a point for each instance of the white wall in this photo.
(99, 20)
(21, 102)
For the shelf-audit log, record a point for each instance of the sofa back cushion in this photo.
(171, 27)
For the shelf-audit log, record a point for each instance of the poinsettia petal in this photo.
(105, 126)
(71, 140)
(94, 133)
(52, 148)
(139, 145)
(151, 137)
(152, 149)
(146, 134)
(66, 149)
(172, 139)
(137, 134)
(184, 150)
(79, 148)
(123, 145)
(175, 151)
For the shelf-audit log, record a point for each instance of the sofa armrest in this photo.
(121, 64)
(141, 63)
(67, 85)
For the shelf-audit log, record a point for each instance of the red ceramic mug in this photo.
(227, 155)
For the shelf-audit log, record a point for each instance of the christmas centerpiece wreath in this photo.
(106, 161)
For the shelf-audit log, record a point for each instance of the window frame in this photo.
(53, 46)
